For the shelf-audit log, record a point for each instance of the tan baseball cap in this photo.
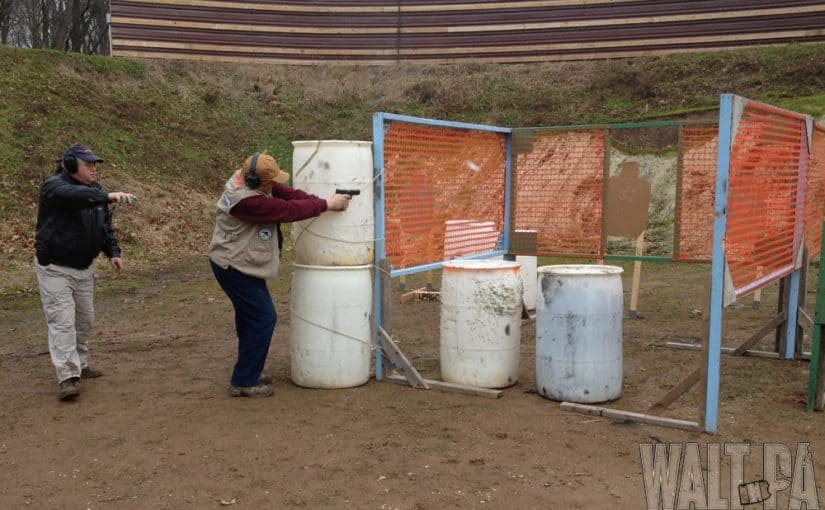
(267, 169)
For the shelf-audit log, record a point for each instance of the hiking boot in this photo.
(265, 378)
(68, 390)
(261, 390)
(90, 373)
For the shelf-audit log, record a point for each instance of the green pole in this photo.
(819, 319)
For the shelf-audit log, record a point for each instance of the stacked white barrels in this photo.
(331, 303)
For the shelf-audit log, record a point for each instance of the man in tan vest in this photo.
(245, 252)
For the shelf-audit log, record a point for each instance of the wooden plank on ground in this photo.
(629, 416)
(411, 295)
(410, 373)
(445, 386)
(677, 391)
(756, 337)
(725, 350)
(804, 320)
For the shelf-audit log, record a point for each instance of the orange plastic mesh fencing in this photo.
(815, 193)
(559, 189)
(443, 192)
(762, 196)
(695, 193)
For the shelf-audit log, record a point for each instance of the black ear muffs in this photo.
(69, 163)
(252, 180)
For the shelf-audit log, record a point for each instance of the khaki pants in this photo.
(67, 295)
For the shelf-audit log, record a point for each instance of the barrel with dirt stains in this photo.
(330, 318)
(343, 238)
(480, 322)
(579, 333)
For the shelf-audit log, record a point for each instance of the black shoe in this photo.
(90, 373)
(262, 390)
(68, 390)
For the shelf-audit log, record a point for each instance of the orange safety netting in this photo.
(762, 196)
(815, 193)
(696, 192)
(443, 192)
(559, 189)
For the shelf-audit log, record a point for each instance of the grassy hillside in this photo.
(171, 131)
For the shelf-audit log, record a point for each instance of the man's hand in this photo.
(117, 263)
(119, 196)
(338, 202)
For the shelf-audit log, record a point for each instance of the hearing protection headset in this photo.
(251, 180)
(69, 162)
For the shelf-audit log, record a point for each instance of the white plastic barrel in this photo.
(480, 322)
(579, 333)
(529, 276)
(334, 238)
(330, 337)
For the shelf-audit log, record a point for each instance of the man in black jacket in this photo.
(74, 225)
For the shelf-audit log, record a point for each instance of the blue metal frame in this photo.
(440, 123)
(717, 268)
(379, 121)
(380, 245)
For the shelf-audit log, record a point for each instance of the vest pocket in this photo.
(261, 247)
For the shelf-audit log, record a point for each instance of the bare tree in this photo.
(6, 7)
(66, 25)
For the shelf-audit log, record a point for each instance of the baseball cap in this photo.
(267, 169)
(82, 152)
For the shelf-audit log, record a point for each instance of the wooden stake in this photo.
(637, 276)
(386, 304)
(782, 308)
(802, 299)
(757, 294)
(704, 360)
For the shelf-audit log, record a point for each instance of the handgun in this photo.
(350, 192)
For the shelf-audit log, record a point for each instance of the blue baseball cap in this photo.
(82, 152)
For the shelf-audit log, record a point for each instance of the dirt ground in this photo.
(159, 430)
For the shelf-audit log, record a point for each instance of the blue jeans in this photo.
(254, 321)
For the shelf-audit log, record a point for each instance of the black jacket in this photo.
(73, 223)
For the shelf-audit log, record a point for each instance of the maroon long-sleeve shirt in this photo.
(283, 206)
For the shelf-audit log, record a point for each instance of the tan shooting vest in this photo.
(248, 247)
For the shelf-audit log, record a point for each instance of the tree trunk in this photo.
(62, 19)
(5, 20)
(79, 27)
(45, 24)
